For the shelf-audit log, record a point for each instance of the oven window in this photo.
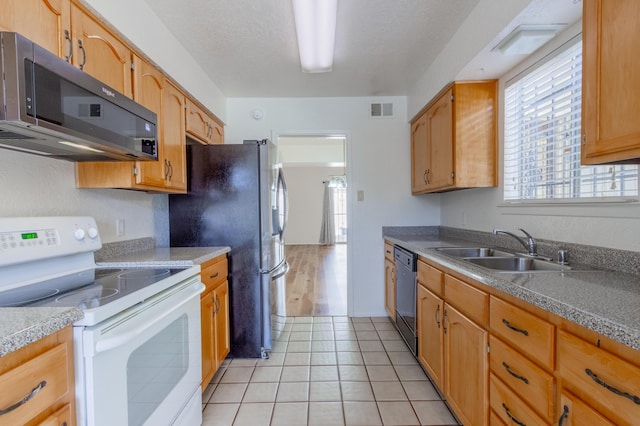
(155, 368)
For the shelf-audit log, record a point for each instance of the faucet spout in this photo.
(530, 244)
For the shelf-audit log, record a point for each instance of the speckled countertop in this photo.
(22, 326)
(168, 257)
(604, 301)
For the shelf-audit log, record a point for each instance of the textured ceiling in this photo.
(249, 47)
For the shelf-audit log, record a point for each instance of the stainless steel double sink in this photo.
(501, 261)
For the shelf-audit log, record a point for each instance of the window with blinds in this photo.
(542, 137)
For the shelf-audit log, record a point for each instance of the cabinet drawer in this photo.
(60, 417)
(430, 277)
(533, 336)
(508, 407)
(600, 378)
(214, 273)
(529, 381)
(43, 377)
(469, 300)
(388, 252)
(574, 412)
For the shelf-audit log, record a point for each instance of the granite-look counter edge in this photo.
(569, 295)
(22, 326)
(167, 257)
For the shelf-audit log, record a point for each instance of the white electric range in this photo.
(137, 353)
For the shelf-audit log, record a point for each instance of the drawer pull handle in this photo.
(214, 275)
(513, 419)
(596, 379)
(24, 400)
(437, 312)
(516, 329)
(517, 376)
(564, 415)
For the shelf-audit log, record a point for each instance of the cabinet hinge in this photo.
(452, 98)
(134, 169)
(133, 66)
(488, 348)
(584, 139)
(453, 175)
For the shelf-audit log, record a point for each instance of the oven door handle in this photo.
(119, 339)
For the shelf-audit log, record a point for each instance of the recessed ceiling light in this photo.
(526, 39)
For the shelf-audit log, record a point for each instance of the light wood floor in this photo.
(317, 281)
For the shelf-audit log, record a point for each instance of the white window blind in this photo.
(542, 137)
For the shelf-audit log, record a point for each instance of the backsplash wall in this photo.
(31, 185)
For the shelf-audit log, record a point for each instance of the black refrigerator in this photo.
(236, 197)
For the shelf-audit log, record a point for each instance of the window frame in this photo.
(527, 66)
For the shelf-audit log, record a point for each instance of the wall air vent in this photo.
(379, 110)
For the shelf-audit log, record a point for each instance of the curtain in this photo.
(328, 228)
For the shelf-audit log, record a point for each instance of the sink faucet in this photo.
(530, 244)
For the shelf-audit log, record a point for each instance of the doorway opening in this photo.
(316, 241)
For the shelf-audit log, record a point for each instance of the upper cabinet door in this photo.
(45, 22)
(173, 134)
(610, 82)
(440, 142)
(419, 155)
(149, 84)
(99, 53)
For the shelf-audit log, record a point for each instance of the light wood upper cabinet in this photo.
(454, 139)
(99, 53)
(419, 155)
(201, 126)
(610, 82)
(173, 138)
(45, 22)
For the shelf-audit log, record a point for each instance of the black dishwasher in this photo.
(406, 263)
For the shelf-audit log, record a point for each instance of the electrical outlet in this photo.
(119, 227)
(463, 218)
(360, 195)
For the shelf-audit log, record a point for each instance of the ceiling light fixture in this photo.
(526, 39)
(316, 30)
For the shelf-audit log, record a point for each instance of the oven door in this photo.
(143, 366)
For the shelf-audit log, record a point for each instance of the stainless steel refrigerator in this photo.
(237, 197)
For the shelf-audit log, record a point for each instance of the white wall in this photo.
(485, 21)
(141, 26)
(598, 224)
(306, 194)
(32, 185)
(378, 159)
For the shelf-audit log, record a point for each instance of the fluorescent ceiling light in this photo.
(526, 39)
(316, 29)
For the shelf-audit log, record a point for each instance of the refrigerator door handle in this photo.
(283, 184)
(285, 269)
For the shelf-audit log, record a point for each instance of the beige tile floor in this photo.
(327, 371)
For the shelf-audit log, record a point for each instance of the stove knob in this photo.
(79, 234)
(93, 233)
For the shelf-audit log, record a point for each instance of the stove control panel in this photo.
(33, 238)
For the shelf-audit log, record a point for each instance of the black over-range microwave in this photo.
(54, 109)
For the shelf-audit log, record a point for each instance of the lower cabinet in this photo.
(389, 281)
(38, 382)
(606, 382)
(214, 312)
(465, 367)
(499, 360)
(451, 347)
